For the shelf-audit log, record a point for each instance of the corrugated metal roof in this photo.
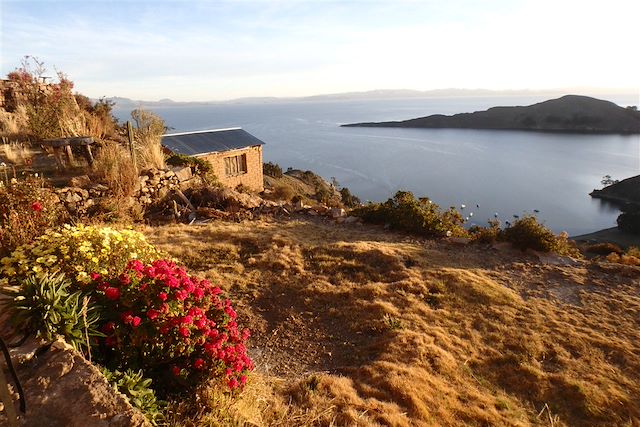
(209, 141)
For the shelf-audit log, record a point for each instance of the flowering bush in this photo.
(27, 210)
(76, 251)
(175, 327)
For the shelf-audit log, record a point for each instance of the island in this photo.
(570, 113)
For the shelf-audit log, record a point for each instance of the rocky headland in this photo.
(570, 113)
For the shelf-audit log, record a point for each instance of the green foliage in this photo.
(27, 209)
(44, 305)
(138, 391)
(528, 233)
(419, 216)
(198, 166)
(272, 169)
(348, 199)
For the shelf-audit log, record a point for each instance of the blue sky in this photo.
(213, 50)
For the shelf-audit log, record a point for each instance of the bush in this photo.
(76, 252)
(44, 305)
(488, 234)
(198, 166)
(138, 391)
(27, 209)
(178, 329)
(272, 169)
(283, 192)
(348, 199)
(420, 216)
(528, 233)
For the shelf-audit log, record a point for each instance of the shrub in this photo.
(76, 252)
(27, 209)
(175, 327)
(114, 167)
(630, 257)
(272, 169)
(198, 166)
(138, 391)
(488, 234)
(44, 305)
(528, 233)
(283, 192)
(420, 216)
(348, 199)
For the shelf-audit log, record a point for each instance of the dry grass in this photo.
(113, 166)
(13, 123)
(16, 153)
(353, 326)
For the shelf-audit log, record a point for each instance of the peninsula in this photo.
(570, 113)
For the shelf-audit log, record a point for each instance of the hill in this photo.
(625, 191)
(354, 325)
(570, 113)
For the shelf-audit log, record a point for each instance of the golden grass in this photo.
(16, 153)
(353, 326)
(113, 166)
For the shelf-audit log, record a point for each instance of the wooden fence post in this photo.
(131, 148)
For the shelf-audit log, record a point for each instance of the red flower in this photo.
(95, 276)
(135, 322)
(152, 314)
(112, 293)
(162, 296)
(36, 206)
(184, 332)
(175, 371)
(124, 279)
(198, 363)
(109, 327)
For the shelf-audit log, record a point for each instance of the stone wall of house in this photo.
(252, 179)
(11, 95)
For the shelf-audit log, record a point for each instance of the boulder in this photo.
(182, 173)
(338, 213)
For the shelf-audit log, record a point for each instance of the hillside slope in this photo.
(570, 113)
(625, 191)
(353, 325)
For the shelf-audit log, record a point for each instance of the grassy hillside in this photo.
(356, 326)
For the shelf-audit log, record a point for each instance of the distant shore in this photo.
(609, 235)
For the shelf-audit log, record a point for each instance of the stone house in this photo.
(234, 154)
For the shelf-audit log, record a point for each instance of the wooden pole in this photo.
(131, 148)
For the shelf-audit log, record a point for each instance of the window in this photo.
(235, 165)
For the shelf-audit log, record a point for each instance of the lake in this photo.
(504, 172)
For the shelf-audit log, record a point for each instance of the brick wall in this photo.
(251, 179)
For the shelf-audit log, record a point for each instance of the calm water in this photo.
(508, 172)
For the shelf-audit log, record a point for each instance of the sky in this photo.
(217, 50)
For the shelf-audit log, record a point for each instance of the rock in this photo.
(338, 213)
(182, 173)
(80, 181)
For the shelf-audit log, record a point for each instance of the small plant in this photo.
(420, 216)
(604, 249)
(45, 306)
(528, 233)
(175, 327)
(630, 257)
(76, 251)
(138, 391)
(283, 192)
(272, 169)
